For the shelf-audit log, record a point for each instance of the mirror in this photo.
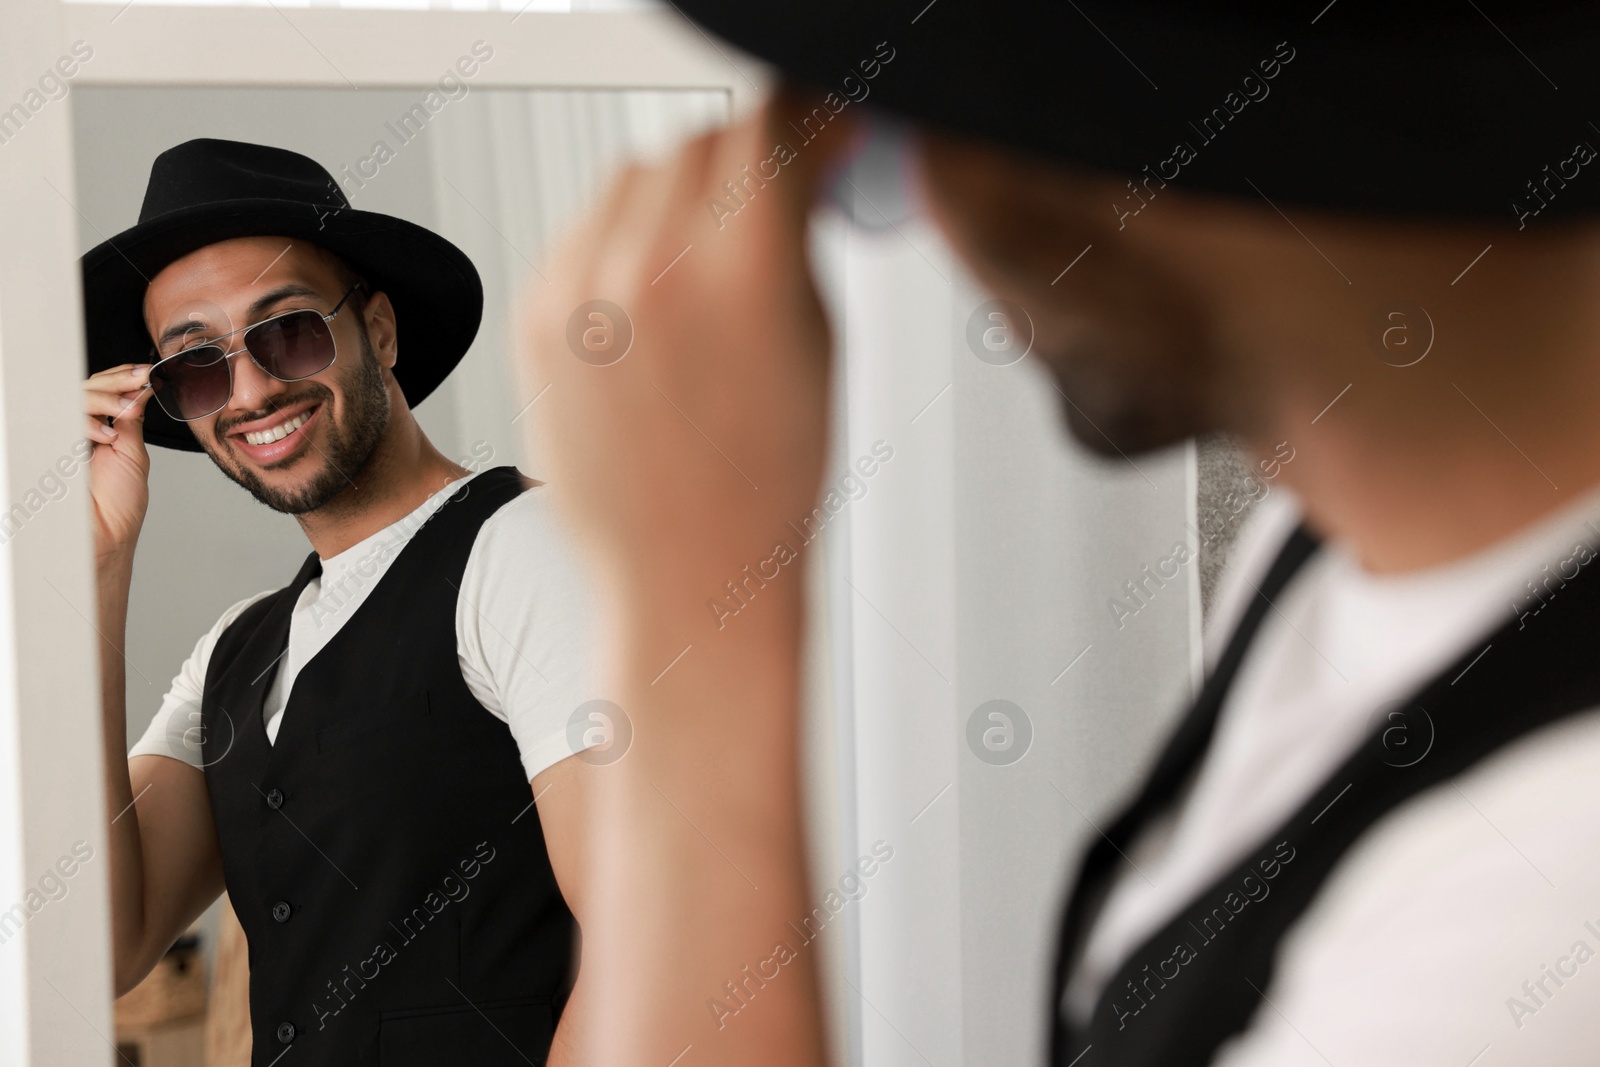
(499, 172)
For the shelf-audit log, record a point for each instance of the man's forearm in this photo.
(571, 1046)
(127, 878)
(699, 859)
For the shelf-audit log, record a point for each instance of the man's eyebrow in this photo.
(180, 330)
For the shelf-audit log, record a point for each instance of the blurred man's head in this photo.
(1250, 186)
(1182, 319)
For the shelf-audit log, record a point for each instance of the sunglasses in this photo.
(198, 381)
(877, 183)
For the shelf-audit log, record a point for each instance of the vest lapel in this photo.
(1180, 757)
(272, 647)
(238, 730)
(1198, 979)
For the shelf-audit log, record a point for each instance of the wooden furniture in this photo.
(177, 1044)
(228, 1021)
(161, 1021)
(171, 1020)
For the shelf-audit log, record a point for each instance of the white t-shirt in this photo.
(1416, 950)
(525, 632)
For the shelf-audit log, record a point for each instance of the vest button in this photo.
(275, 799)
(286, 1032)
(281, 910)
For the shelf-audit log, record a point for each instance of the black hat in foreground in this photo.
(1468, 109)
(209, 190)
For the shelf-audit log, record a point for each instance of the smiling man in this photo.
(350, 755)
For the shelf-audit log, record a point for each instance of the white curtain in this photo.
(513, 169)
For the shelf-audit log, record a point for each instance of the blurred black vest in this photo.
(384, 856)
(1197, 980)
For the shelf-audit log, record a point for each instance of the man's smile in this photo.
(278, 436)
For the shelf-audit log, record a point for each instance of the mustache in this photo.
(320, 394)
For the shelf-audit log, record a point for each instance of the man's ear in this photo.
(378, 314)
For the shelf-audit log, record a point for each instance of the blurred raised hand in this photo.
(683, 427)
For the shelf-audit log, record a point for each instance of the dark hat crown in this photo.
(209, 170)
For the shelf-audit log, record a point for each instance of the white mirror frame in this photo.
(55, 981)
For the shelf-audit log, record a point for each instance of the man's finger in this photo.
(99, 403)
(120, 379)
(132, 410)
(798, 118)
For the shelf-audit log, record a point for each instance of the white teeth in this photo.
(278, 433)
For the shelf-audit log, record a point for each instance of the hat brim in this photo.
(1420, 110)
(435, 290)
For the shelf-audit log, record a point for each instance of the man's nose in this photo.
(253, 388)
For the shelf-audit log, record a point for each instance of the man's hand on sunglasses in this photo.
(119, 467)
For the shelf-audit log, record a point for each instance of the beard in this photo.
(346, 446)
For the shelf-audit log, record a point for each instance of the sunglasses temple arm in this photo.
(111, 419)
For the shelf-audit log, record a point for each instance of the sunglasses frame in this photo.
(226, 356)
(877, 183)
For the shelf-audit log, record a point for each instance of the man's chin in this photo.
(1115, 418)
(1120, 438)
(293, 488)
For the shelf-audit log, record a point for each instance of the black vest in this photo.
(384, 856)
(1197, 981)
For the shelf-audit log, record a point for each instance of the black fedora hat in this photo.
(1468, 109)
(208, 190)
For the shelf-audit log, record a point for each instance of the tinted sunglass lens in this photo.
(292, 346)
(193, 384)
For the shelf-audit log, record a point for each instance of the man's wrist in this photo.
(113, 573)
(115, 561)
